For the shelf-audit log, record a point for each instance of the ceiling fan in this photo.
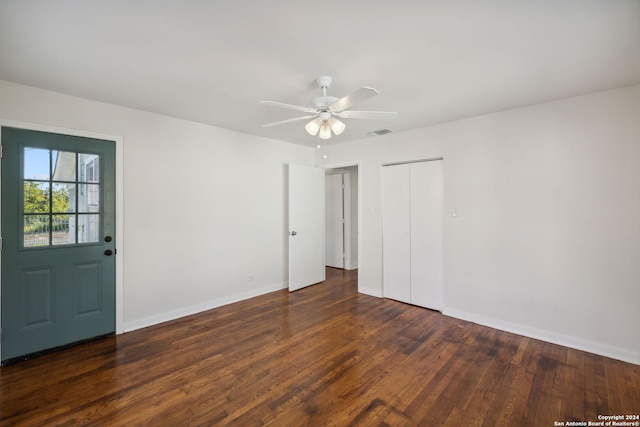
(324, 110)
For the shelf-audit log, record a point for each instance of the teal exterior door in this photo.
(58, 240)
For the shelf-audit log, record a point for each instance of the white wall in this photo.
(545, 241)
(204, 207)
(547, 234)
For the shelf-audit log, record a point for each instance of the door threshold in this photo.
(36, 354)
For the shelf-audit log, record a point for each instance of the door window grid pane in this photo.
(89, 167)
(89, 198)
(36, 230)
(88, 228)
(64, 166)
(62, 230)
(69, 205)
(62, 196)
(36, 164)
(35, 197)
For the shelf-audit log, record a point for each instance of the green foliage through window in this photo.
(36, 198)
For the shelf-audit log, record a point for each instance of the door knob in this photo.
(293, 233)
(108, 252)
(107, 239)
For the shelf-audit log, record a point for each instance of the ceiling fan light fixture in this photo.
(313, 126)
(325, 131)
(336, 126)
(325, 109)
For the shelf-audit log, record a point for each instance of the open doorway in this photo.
(341, 217)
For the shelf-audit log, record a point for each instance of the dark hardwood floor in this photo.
(324, 355)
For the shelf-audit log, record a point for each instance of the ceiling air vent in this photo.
(381, 131)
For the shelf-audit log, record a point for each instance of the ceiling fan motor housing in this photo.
(322, 102)
(324, 115)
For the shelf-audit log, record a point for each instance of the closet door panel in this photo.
(396, 232)
(427, 196)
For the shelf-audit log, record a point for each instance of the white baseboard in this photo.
(548, 336)
(370, 291)
(516, 328)
(132, 325)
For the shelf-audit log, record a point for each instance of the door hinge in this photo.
(0, 243)
(0, 151)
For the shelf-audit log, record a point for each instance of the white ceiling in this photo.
(212, 61)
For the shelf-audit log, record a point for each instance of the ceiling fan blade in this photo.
(354, 98)
(290, 106)
(287, 121)
(371, 115)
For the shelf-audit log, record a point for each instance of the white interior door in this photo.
(306, 226)
(427, 194)
(396, 232)
(334, 221)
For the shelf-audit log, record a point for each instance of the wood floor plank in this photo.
(323, 355)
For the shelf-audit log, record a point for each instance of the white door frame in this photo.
(346, 203)
(119, 200)
(348, 226)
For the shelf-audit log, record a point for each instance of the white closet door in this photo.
(427, 285)
(396, 232)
